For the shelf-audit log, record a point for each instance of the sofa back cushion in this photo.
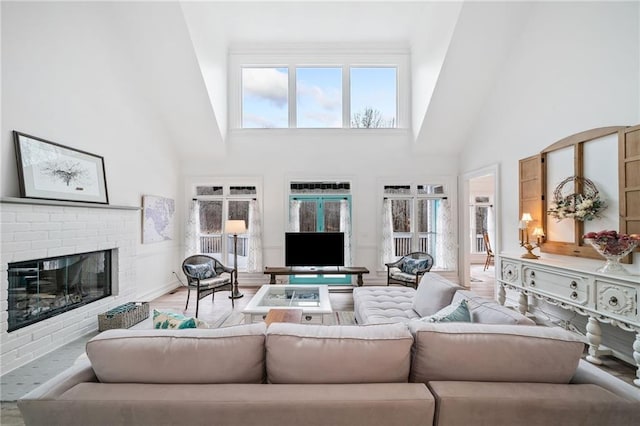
(487, 311)
(433, 294)
(299, 353)
(222, 355)
(493, 353)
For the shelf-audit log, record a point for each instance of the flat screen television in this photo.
(314, 249)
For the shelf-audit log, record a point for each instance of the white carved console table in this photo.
(573, 284)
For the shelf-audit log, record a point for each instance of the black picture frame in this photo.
(51, 171)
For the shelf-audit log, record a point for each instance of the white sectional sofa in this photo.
(376, 375)
(399, 371)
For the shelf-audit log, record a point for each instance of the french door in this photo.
(320, 213)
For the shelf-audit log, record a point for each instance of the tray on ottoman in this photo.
(123, 316)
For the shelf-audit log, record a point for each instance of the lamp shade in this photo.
(526, 217)
(235, 227)
(537, 232)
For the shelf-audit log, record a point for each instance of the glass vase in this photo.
(612, 256)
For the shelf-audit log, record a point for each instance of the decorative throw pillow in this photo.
(411, 266)
(201, 271)
(174, 321)
(456, 312)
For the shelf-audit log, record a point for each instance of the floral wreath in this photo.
(579, 206)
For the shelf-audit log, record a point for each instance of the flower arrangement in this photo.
(610, 243)
(580, 206)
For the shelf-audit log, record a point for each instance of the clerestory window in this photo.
(319, 91)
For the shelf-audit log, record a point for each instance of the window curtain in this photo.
(294, 216)
(388, 252)
(345, 226)
(192, 230)
(254, 259)
(445, 257)
(491, 227)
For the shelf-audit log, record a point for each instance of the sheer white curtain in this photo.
(191, 238)
(491, 226)
(388, 253)
(345, 226)
(254, 259)
(445, 257)
(294, 216)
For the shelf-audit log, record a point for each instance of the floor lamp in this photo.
(235, 227)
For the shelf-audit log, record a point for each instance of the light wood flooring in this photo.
(212, 313)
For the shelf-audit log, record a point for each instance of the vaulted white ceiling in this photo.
(457, 50)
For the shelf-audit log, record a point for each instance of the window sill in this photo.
(328, 131)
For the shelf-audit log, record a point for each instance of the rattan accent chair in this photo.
(205, 276)
(409, 269)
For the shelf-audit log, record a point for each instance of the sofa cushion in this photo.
(411, 266)
(527, 404)
(433, 294)
(223, 355)
(298, 353)
(493, 353)
(378, 305)
(201, 270)
(143, 404)
(487, 311)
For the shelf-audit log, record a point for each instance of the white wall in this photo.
(575, 67)
(67, 77)
(364, 158)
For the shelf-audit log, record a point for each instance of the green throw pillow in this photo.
(451, 313)
(173, 321)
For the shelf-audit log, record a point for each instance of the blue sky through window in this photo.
(374, 88)
(319, 97)
(265, 95)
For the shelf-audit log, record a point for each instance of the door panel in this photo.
(320, 214)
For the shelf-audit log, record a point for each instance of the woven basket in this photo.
(123, 316)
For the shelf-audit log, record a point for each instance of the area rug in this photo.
(235, 318)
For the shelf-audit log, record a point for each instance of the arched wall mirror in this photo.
(606, 160)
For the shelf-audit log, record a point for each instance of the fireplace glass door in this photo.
(42, 288)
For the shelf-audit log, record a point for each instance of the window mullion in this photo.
(293, 98)
(346, 97)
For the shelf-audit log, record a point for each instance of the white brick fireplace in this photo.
(33, 230)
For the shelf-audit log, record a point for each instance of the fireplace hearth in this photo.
(42, 288)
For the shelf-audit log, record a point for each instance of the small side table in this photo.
(284, 315)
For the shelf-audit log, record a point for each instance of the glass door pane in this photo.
(331, 216)
(211, 228)
(427, 225)
(309, 210)
(401, 216)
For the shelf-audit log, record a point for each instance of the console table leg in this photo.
(523, 303)
(502, 295)
(360, 281)
(636, 357)
(594, 338)
(273, 279)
